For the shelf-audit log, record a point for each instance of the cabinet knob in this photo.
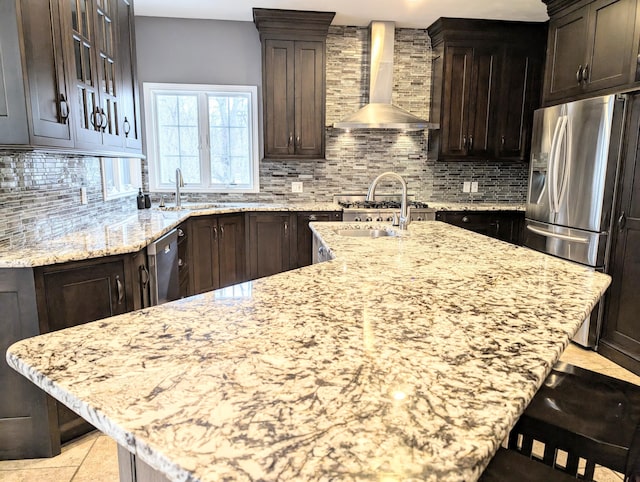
(465, 219)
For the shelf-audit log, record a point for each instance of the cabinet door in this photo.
(455, 105)
(129, 93)
(309, 99)
(74, 294)
(269, 244)
(519, 96)
(231, 250)
(610, 43)
(566, 54)
(25, 412)
(204, 248)
(482, 98)
(279, 97)
(85, 86)
(46, 73)
(13, 113)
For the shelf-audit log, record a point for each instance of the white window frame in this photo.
(155, 184)
(120, 189)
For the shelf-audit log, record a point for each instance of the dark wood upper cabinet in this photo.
(34, 92)
(67, 76)
(486, 84)
(293, 72)
(591, 48)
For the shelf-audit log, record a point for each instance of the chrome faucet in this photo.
(179, 184)
(404, 208)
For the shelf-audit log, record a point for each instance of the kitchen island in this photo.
(405, 357)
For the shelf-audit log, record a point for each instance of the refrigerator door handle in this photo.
(568, 155)
(556, 164)
(552, 161)
(564, 237)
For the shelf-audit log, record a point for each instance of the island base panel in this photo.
(132, 469)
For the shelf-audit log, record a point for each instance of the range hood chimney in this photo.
(379, 113)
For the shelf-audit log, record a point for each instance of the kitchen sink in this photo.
(367, 233)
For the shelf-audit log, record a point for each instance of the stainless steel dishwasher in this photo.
(162, 257)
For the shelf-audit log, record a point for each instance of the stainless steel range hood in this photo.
(379, 113)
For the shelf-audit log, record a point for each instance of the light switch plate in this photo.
(466, 186)
(296, 187)
(474, 186)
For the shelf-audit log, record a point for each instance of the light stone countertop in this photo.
(474, 206)
(404, 358)
(129, 233)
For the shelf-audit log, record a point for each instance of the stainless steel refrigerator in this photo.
(575, 157)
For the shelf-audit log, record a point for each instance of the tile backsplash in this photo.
(36, 189)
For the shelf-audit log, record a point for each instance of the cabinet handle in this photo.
(180, 232)
(622, 220)
(502, 141)
(64, 109)
(464, 142)
(312, 217)
(105, 120)
(119, 290)
(215, 233)
(290, 141)
(222, 231)
(471, 143)
(286, 228)
(298, 141)
(579, 74)
(144, 276)
(126, 127)
(465, 219)
(585, 73)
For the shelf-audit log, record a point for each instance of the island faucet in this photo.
(404, 208)
(179, 184)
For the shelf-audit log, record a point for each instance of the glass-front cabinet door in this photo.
(95, 69)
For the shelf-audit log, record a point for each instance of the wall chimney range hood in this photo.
(380, 113)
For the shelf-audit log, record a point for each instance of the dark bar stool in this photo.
(510, 466)
(583, 416)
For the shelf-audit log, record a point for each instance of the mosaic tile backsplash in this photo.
(36, 188)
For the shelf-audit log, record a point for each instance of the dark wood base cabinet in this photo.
(620, 339)
(270, 243)
(46, 299)
(305, 236)
(503, 225)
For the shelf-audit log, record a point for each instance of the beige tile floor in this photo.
(93, 458)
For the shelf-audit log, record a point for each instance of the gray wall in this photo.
(197, 51)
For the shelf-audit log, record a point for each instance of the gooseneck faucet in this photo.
(179, 184)
(404, 208)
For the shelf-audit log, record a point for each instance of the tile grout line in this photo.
(84, 459)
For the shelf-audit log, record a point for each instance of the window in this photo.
(208, 131)
(120, 177)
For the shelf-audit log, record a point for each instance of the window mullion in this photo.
(203, 134)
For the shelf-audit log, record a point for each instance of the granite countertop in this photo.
(404, 358)
(474, 206)
(128, 233)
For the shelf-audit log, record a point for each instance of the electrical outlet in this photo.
(466, 186)
(474, 186)
(296, 187)
(83, 195)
